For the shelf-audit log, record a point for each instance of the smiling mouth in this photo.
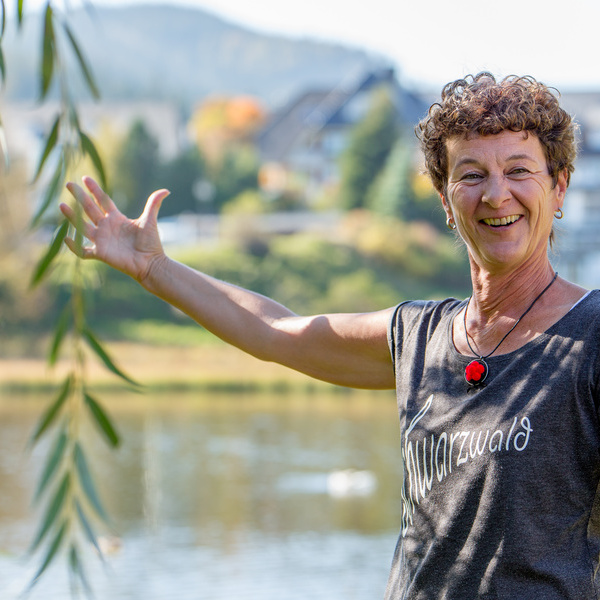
(502, 221)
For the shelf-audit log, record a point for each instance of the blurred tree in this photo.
(218, 123)
(427, 201)
(401, 191)
(236, 172)
(196, 184)
(185, 177)
(369, 146)
(390, 193)
(135, 167)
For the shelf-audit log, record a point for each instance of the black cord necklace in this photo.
(476, 371)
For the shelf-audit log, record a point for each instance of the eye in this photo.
(520, 171)
(471, 177)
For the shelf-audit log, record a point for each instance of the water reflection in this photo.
(222, 497)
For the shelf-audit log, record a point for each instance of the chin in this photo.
(505, 260)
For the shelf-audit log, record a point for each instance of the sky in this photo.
(431, 42)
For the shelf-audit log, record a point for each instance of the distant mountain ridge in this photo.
(183, 54)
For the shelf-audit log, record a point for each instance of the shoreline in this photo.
(214, 368)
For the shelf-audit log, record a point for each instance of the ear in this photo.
(561, 188)
(446, 206)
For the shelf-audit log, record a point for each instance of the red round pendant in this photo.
(476, 372)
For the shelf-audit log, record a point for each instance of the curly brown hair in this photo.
(480, 105)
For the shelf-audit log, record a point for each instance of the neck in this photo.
(498, 303)
(508, 294)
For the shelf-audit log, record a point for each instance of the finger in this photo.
(153, 205)
(92, 210)
(103, 199)
(79, 250)
(68, 212)
(75, 219)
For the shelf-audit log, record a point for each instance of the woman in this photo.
(498, 395)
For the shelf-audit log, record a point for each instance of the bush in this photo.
(379, 263)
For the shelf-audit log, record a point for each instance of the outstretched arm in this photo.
(345, 349)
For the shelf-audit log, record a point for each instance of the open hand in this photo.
(131, 246)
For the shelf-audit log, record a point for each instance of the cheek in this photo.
(463, 203)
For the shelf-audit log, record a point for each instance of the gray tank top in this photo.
(500, 497)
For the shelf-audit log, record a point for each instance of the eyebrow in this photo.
(473, 161)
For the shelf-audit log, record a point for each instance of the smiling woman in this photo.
(508, 520)
(486, 387)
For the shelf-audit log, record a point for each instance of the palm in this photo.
(125, 244)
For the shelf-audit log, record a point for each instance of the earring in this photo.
(558, 214)
(450, 224)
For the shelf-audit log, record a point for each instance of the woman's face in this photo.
(501, 197)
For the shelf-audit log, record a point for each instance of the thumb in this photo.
(153, 205)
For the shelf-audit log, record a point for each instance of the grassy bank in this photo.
(158, 356)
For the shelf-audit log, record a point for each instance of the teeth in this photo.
(502, 221)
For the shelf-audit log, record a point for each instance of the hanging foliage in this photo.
(71, 506)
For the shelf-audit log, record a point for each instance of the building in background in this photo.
(578, 233)
(305, 138)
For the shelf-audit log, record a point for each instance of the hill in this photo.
(183, 54)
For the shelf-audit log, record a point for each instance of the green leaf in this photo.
(2, 67)
(53, 250)
(87, 528)
(74, 117)
(62, 326)
(3, 18)
(102, 354)
(48, 52)
(88, 147)
(53, 511)
(102, 420)
(50, 414)
(77, 569)
(50, 144)
(20, 12)
(82, 63)
(54, 460)
(54, 547)
(52, 191)
(87, 482)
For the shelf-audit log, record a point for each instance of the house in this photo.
(578, 248)
(305, 138)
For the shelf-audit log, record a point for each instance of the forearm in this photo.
(236, 315)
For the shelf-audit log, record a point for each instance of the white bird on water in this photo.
(351, 482)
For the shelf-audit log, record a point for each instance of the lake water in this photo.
(222, 497)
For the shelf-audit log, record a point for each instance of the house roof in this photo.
(314, 110)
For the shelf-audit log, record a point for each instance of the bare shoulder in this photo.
(563, 298)
(570, 294)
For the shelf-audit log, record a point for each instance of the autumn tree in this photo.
(222, 122)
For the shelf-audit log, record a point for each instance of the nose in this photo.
(496, 190)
